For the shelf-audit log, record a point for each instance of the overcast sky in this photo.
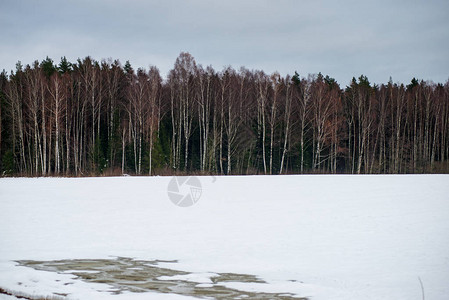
(344, 39)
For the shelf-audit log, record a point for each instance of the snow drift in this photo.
(321, 237)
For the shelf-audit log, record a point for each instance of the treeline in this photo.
(90, 118)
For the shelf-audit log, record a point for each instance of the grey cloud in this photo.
(380, 39)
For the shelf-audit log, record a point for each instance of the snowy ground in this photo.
(321, 237)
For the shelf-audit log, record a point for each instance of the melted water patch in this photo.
(126, 274)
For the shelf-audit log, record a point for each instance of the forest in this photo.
(92, 117)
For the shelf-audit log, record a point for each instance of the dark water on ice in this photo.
(126, 274)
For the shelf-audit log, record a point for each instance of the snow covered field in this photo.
(320, 237)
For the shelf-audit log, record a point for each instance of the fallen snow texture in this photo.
(203, 278)
(323, 237)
